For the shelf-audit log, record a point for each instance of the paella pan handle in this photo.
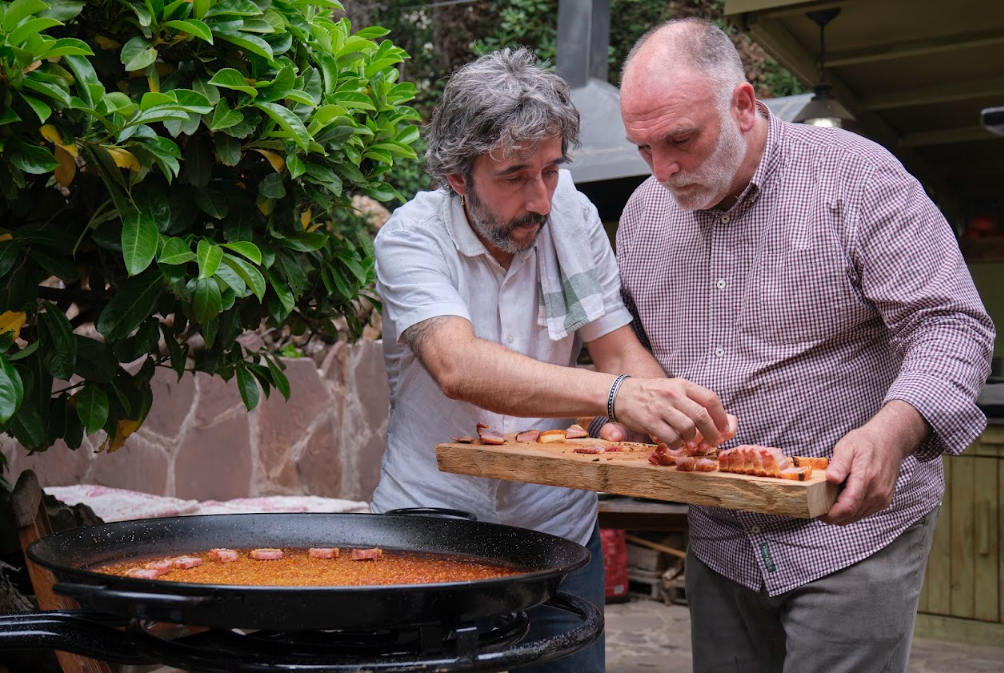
(434, 512)
(86, 591)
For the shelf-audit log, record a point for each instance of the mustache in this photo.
(527, 220)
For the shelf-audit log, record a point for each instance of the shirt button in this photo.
(720, 352)
(725, 219)
(755, 530)
(721, 283)
(509, 338)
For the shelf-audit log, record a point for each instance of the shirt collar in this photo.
(467, 242)
(771, 158)
(769, 161)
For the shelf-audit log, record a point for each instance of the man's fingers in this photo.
(847, 506)
(613, 432)
(712, 404)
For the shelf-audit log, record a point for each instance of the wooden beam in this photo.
(934, 94)
(786, 50)
(937, 45)
(962, 134)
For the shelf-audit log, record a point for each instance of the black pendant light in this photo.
(823, 109)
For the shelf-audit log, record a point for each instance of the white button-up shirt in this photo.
(430, 263)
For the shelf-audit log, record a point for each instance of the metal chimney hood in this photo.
(583, 39)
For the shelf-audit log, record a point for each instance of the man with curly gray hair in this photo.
(491, 285)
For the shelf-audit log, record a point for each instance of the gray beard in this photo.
(715, 177)
(488, 226)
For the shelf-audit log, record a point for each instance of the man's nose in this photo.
(538, 197)
(664, 166)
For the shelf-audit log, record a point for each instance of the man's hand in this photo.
(618, 432)
(674, 410)
(867, 461)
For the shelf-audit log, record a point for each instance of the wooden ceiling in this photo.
(915, 73)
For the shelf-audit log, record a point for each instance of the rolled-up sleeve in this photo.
(914, 273)
(413, 277)
(616, 314)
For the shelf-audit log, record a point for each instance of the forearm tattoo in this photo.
(419, 334)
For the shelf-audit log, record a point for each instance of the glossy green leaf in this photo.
(210, 256)
(245, 249)
(193, 27)
(175, 251)
(131, 305)
(224, 117)
(139, 241)
(233, 8)
(11, 390)
(248, 273)
(251, 43)
(92, 408)
(95, 360)
(228, 78)
(295, 165)
(206, 300)
(18, 10)
(232, 279)
(30, 158)
(248, 388)
(60, 352)
(289, 122)
(137, 53)
(279, 379)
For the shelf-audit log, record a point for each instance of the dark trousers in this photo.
(856, 620)
(587, 583)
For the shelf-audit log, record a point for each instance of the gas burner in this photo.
(493, 644)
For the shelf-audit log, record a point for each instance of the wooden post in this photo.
(33, 523)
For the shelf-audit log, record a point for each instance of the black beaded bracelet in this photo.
(614, 387)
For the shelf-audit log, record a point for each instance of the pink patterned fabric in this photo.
(832, 286)
(116, 504)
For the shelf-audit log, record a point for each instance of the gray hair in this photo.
(702, 46)
(497, 103)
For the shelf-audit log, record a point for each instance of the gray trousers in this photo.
(856, 620)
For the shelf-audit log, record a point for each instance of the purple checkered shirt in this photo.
(832, 286)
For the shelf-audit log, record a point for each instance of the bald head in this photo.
(683, 48)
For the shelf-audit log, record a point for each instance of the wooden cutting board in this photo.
(630, 473)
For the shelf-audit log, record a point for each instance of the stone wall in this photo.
(200, 443)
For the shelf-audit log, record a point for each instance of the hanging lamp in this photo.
(823, 109)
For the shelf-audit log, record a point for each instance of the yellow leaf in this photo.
(107, 43)
(123, 158)
(33, 66)
(265, 205)
(67, 168)
(278, 163)
(154, 84)
(122, 431)
(52, 134)
(12, 321)
(315, 227)
(6, 237)
(305, 217)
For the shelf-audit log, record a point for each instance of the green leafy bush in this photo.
(179, 169)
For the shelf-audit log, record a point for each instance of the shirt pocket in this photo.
(802, 295)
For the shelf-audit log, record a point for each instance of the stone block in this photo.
(172, 402)
(56, 466)
(214, 461)
(367, 380)
(216, 399)
(139, 465)
(280, 425)
(320, 464)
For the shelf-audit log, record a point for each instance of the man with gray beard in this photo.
(805, 276)
(491, 285)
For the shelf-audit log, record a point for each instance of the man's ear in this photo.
(458, 183)
(744, 102)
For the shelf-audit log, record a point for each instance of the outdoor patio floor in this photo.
(644, 636)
